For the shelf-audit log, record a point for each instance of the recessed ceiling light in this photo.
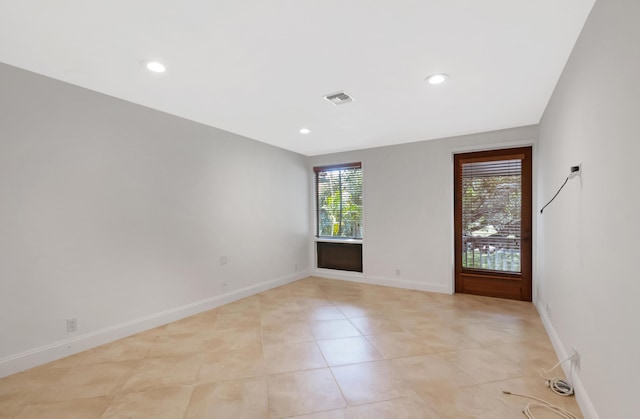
(304, 130)
(155, 66)
(437, 78)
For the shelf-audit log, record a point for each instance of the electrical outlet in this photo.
(575, 171)
(575, 358)
(72, 325)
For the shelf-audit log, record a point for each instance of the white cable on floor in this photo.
(556, 384)
(541, 404)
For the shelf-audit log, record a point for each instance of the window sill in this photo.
(337, 240)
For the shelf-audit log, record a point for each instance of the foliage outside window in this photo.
(339, 201)
(491, 215)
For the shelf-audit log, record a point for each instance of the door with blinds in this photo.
(493, 223)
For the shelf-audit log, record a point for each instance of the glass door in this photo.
(493, 223)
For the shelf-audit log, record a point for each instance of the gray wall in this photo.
(111, 212)
(408, 207)
(588, 237)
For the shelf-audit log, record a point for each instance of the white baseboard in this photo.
(409, 284)
(32, 358)
(582, 397)
(381, 280)
(341, 275)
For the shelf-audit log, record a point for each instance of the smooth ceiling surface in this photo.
(260, 68)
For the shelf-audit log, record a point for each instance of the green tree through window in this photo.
(491, 215)
(339, 201)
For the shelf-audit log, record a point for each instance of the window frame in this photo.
(329, 168)
(500, 284)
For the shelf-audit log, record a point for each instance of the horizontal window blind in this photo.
(491, 214)
(339, 201)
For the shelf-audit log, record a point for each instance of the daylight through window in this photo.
(339, 201)
(491, 215)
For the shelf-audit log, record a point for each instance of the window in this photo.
(339, 201)
(493, 223)
(491, 214)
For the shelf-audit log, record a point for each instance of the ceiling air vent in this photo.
(339, 98)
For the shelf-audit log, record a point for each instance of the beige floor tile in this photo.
(278, 292)
(531, 355)
(412, 320)
(423, 311)
(180, 344)
(151, 334)
(10, 407)
(303, 392)
(162, 403)
(484, 365)
(531, 329)
(280, 317)
(398, 345)
(248, 305)
(403, 408)
(332, 329)
(308, 289)
(237, 320)
(242, 399)
(353, 310)
(442, 339)
(235, 340)
(292, 356)
(309, 302)
(431, 373)
(470, 402)
(323, 313)
(87, 381)
(164, 372)
(67, 362)
(422, 355)
(25, 385)
(126, 349)
(71, 409)
(490, 333)
(329, 414)
(278, 301)
(370, 382)
(348, 351)
(375, 325)
(286, 332)
(200, 323)
(233, 365)
(156, 331)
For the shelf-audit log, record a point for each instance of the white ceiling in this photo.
(260, 68)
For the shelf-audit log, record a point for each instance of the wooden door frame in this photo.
(486, 282)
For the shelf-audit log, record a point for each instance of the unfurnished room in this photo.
(319, 210)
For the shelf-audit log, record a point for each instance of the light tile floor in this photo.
(315, 348)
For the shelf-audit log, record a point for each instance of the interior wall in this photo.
(111, 212)
(408, 208)
(588, 285)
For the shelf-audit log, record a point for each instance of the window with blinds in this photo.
(339, 201)
(491, 215)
